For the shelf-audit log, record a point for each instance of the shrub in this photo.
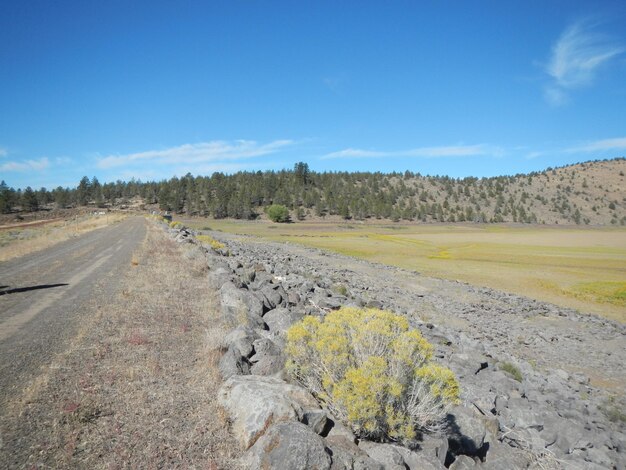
(511, 369)
(211, 241)
(372, 372)
(278, 213)
(176, 225)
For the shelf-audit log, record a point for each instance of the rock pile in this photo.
(513, 415)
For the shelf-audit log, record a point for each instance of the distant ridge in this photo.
(589, 193)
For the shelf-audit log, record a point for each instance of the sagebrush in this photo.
(372, 372)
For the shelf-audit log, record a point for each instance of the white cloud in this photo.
(26, 165)
(422, 152)
(533, 155)
(618, 143)
(576, 58)
(203, 152)
(3, 152)
(356, 153)
(62, 160)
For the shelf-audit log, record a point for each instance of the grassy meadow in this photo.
(583, 268)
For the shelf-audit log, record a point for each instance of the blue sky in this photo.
(154, 89)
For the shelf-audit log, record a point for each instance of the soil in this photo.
(104, 356)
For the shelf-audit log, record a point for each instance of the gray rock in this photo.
(463, 462)
(292, 446)
(271, 295)
(293, 298)
(520, 415)
(232, 363)
(395, 457)
(317, 420)
(269, 366)
(386, 454)
(339, 430)
(467, 431)
(346, 455)
(264, 347)
(570, 437)
(218, 276)
(240, 306)
(434, 447)
(241, 340)
(419, 460)
(280, 319)
(504, 457)
(254, 403)
(600, 457)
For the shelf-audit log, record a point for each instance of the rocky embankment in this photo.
(542, 387)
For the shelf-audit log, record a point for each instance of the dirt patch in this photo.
(137, 386)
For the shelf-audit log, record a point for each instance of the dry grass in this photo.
(138, 387)
(20, 241)
(581, 268)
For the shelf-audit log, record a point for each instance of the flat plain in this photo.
(577, 267)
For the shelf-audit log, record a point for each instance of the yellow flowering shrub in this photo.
(372, 372)
(176, 224)
(212, 242)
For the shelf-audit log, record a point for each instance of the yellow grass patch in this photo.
(577, 267)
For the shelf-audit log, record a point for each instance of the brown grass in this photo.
(25, 239)
(138, 387)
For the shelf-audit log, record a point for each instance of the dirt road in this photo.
(44, 297)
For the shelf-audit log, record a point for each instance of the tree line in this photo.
(354, 195)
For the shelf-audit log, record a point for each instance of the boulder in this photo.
(254, 403)
(218, 275)
(280, 319)
(466, 431)
(232, 363)
(346, 455)
(269, 365)
(434, 447)
(463, 462)
(240, 306)
(271, 295)
(504, 457)
(264, 347)
(241, 340)
(292, 446)
(386, 454)
(317, 420)
(339, 430)
(394, 457)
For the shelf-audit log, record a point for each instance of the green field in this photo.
(582, 268)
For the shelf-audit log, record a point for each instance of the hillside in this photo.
(591, 193)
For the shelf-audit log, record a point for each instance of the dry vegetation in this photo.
(577, 267)
(20, 240)
(137, 388)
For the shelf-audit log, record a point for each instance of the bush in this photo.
(511, 369)
(278, 213)
(372, 372)
(206, 239)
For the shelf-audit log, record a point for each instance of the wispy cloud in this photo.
(533, 155)
(3, 152)
(576, 58)
(422, 152)
(618, 143)
(203, 152)
(26, 165)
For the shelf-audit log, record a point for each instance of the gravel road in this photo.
(45, 295)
